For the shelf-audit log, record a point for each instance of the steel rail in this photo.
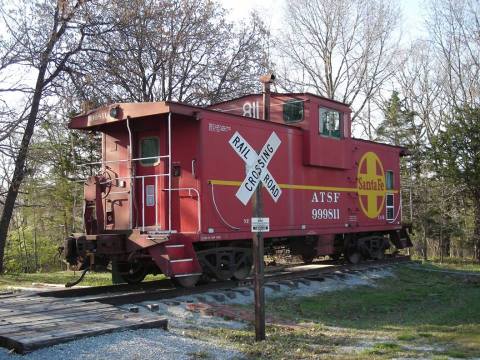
(164, 289)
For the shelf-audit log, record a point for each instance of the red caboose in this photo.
(173, 193)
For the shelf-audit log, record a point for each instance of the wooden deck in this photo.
(29, 322)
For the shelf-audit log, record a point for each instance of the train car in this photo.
(174, 192)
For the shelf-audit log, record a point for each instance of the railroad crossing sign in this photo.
(257, 167)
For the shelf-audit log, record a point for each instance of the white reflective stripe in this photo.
(189, 274)
(181, 260)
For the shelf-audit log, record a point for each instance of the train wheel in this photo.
(354, 257)
(379, 254)
(186, 281)
(243, 265)
(308, 258)
(136, 274)
(334, 257)
(224, 270)
(225, 263)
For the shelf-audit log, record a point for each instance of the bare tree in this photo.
(41, 40)
(455, 27)
(342, 49)
(173, 50)
(422, 86)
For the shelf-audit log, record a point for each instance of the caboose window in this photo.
(389, 179)
(149, 149)
(292, 111)
(329, 123)
(390, 207)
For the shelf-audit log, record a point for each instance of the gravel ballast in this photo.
(139, 344)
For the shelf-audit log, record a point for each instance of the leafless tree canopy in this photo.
(455, 29)
(173, 50)
(342, 50)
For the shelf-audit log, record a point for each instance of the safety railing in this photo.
(142, 178)
(199, 212)
(145, 198)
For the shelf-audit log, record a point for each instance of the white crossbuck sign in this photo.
(256, 167)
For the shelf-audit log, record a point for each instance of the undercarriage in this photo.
(186, 262)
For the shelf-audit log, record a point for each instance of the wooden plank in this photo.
(6, 310)
(110, 319)
(45, 320)
(43, 341)
(30, 322)
(23, 343)
(24, 304)
(60, 310)
(54, 324)
(26, 297)
(7, 294)
(53, 312)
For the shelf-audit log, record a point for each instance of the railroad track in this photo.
(164, 289)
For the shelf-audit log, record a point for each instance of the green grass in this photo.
(383, 349)
(454, 264)
(414, 298)
(414, 314)
(59, 277)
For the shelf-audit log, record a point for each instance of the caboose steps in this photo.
(175, 259)
(176, 251)
(180, 260)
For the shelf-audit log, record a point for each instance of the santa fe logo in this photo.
(256, 166)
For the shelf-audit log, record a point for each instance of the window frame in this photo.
(293, 101)
(392, 207)
(140, 147)
(393, 180)
(322, 109)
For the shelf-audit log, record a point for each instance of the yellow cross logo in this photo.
(371, 187)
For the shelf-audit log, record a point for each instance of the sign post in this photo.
(251, 187)
(257, 176)
(258, 252)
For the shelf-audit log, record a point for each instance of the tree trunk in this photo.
(425, 245)
(476, 231)
(19, 172)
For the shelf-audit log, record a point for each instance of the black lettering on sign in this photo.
(265, 155)
(236, 141)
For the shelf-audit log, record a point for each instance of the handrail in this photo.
(156, 176)
(199, 213)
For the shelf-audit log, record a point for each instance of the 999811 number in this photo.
(325, 214)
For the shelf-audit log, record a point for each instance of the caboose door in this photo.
(150, 181)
